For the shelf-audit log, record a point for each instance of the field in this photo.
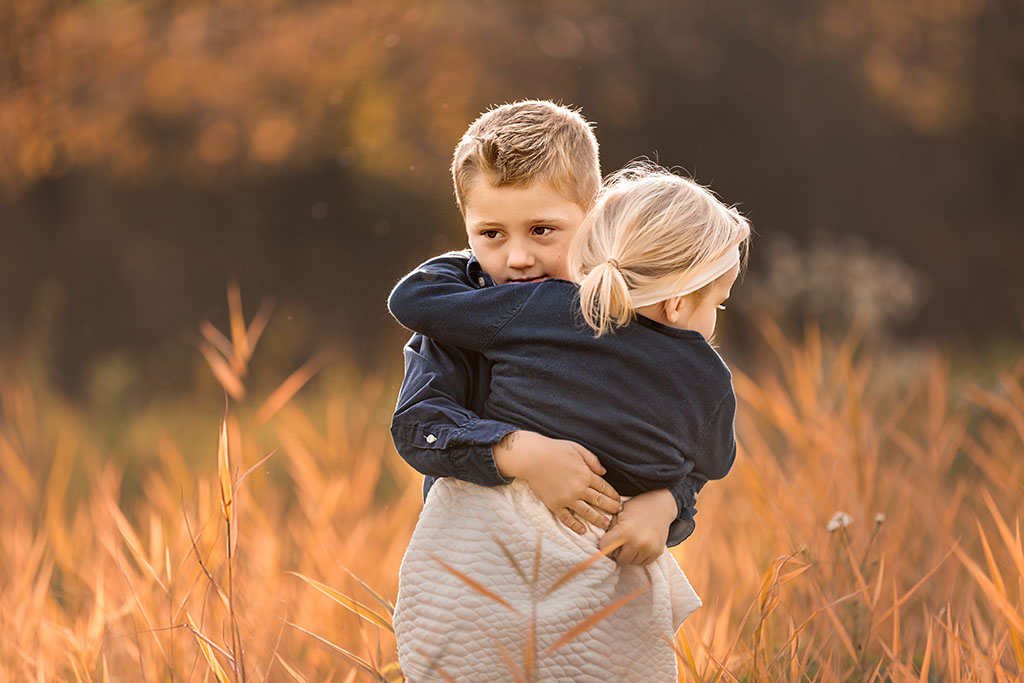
(869, 530)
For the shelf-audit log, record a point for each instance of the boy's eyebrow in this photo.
(532, 221)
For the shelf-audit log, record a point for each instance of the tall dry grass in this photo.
(869, 531)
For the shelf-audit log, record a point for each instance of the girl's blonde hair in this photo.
(648, 228)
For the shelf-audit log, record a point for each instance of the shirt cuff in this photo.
(477, 455)
(681, 528)
(685, 492)
(461, 452)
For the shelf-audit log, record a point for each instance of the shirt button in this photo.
(431, 438)
(481, 281)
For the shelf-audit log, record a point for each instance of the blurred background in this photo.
(155, 154)
(151, 152)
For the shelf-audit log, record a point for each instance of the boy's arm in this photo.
(438, 301)
(436, 431)
(432, 428)
(439, 437)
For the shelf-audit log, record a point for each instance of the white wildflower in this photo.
(879, 518)
(840, 519)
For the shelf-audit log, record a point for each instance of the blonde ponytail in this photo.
(649, 231)
(604, 298)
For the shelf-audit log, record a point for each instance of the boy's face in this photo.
(520, 234)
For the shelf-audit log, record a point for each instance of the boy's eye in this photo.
(490, 234)
(542, 230)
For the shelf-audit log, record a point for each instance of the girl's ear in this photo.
(673, 309)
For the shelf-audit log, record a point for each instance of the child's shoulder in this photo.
(459, 258)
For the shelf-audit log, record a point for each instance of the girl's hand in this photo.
(565, 476)
(643, 523)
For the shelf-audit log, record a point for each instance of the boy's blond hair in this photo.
(649, 228)
(532, 140)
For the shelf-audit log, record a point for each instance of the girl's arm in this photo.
(641, 526)
(715, 459)
(437, 300)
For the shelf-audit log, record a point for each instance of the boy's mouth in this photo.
(528, 279)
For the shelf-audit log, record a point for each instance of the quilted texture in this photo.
(444, 625)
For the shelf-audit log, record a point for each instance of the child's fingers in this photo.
(584, 511)
(605, 489)
(566, 517)
(608, 539)
(627, 555)
(592, 462)
(604, 503)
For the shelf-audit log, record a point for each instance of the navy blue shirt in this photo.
(654, 403)
(436, 425)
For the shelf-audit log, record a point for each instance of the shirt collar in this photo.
(476, 274)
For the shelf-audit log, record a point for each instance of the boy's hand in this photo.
(565, 476)
(643, 523)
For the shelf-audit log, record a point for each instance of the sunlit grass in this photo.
(289, 573)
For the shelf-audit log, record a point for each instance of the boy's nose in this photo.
(520, 258)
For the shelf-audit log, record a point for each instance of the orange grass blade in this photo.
(227, 377)
(722, 670)
(355, 659)
(511, 559)
(291, 386)
(258, 324)
(238, 332)
(806, 622)
(1016, 552)
(290, 669)
(392, 672)
(672, 644)
(1013, 619)
(997, 579)
(878, 584)
(530, 653)
(348, 603)
(687, 652)
(840, 631)
(513, 668)
(594, 619)
(216, 338)
(926, 664)
(895, 622)
(474, 584)
(74, 668)
(224, 471)
(374, 594)
(906, 596)
(205, 645)
(582, 566)
(17, 472)
(238, 484)
(133, 543)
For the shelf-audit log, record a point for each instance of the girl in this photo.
(619, 363)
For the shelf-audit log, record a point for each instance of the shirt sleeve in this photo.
(432, 428)
(714, 462)
(438, 301)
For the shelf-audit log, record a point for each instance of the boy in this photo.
(525, 174)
